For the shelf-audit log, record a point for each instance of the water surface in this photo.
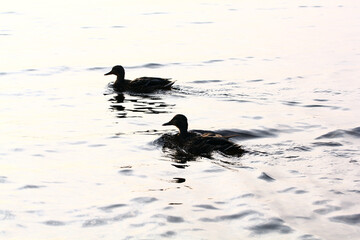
(78, 160)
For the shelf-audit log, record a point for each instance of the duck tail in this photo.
(169, 85)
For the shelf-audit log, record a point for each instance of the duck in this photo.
(200, 143)
(139, 85)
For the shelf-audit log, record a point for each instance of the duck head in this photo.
(179, 121)
(117, 70)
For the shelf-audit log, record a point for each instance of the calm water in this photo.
(78, 161)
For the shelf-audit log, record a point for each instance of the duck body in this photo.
(140, 85)
(195, 143)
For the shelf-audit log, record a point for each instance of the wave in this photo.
(355, 132)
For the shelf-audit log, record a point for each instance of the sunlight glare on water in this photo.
(81, 161)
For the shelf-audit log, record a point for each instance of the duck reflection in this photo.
(135, 105)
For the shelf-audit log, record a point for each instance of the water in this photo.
(78, 161)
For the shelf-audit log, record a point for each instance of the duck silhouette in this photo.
(139, 85)
(198, 143)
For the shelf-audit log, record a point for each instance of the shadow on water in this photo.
(135, 105)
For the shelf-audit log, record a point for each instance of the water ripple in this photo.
(355, 132)
(229, 217)
(352, 219)
(273, 225)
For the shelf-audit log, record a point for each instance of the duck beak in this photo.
(168, 123)
(109, 73)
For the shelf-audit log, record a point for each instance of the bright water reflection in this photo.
(78, 160)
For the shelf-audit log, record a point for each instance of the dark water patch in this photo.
(308, 237)
(31, 187)
(295, 77)
(175, 203)
(327, 209)
(3, 179)
(95, 222)
(264, 176)
(300, 149)
(302, 217)
(118, 26)
(54, 223)
(88, 27)
(123, 216)
(300, 192)
(206, 81)
(329, 91)
(181, 166)
(305, 6)
(6, 215)
(206, 206)
(336, 192)
(153, 65)
(229, 217)
(174, 219)
(148, 65)
(168, 234)
(104, 221)
(158, 189)
(178, 180)
(214, 170)
(355, 132)
(38, 155)
(353, 219)
(18, 149)
(9, 12)
(213, 61)
(170, 219)
(118, 108)
(256, 80)
(290, 189)
(109, 208)
(321, 202)
(327, 144)
(274, 225)
(319, 106)
(247, 195)
(126, 172)
(320, 100)
(271, 83)
(354, 191)
(97, 145)
(96, 68)
(144, 200)
(291, 103)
